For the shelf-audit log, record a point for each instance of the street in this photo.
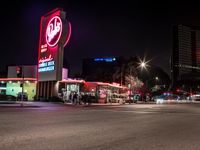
(120, 127)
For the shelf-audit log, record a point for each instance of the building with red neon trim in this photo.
(49, 79)
(101, 92)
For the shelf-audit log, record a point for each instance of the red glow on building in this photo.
(53, 31)
(117, 84)
(69, 35)
(18, 79)
(72, 81)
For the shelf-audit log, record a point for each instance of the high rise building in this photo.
(185, 64)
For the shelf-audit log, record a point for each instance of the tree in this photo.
(133, 83)
(125, 68)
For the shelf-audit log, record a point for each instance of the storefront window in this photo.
(72, 87)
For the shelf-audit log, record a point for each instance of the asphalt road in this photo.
(124, 127)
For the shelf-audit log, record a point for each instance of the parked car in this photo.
(7, 97)
(195, 97)
(117, 100)
(133, 98)
(25, 96)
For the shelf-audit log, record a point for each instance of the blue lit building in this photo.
(99, 69)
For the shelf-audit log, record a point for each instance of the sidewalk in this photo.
(18, 104)
(48, 104)
(29, 104)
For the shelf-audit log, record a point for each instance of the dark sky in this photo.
(99, 29)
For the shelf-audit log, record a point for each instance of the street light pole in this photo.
(143, 65)
(121, 77)
(156, 83)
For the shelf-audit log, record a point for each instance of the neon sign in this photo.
(53, 31)
(69, 35)
(46, 64)
(42, 60)
(50, 68)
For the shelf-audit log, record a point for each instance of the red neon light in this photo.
(42, 60)
(39, 45)
(117, 84)
(18, 79)
(69, 35)
(53, 31)
(105, 84)
(73, 81)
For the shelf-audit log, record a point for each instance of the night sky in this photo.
(99, 29)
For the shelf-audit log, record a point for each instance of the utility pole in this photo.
(121, 77)
(121, 73)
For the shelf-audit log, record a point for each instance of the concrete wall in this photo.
(29, 71)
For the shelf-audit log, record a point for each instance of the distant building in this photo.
(185, 64)
(99, 69)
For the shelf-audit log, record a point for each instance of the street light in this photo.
(143, 64)
(156, 78)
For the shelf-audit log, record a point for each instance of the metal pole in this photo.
(22, 96)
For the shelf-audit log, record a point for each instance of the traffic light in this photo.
(19, 71)
(177, 90)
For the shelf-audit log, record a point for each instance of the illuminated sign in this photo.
(42, 60)
(54, 30)
(46, 66)
(105, 59)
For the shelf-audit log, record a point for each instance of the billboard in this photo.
(55, 32)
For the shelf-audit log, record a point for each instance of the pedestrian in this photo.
(89, 99)
(79, 99)
(70, 97)
(84, 96)
(75, 98)
(65, 96)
